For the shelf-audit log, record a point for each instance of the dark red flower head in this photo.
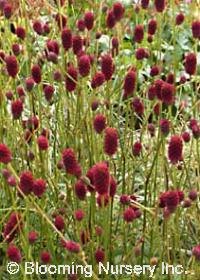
(90, 176)
(138, 33)
(150, 38)
(81, 24)
(46, 28)
(112, 187)
(175, 149)
(99, 256)
(52, 56)
(32, 237)
(158, 88)
(72, 246)
(124, 199)
(141, 53)
(20, 91)
(97, 80)
(129, 215)
(84, 65)
(43, 143)
(12, 181)
(16, 108)
(144, 4)
(16, 49)
(129, 83)
(48, 92)
(192, 123)
(79, 215)
(57, 75)
(159, 5)
(152, 26)
(196, 131)
(89, 20)
(183, 79)
(80, 190)
(12, 65)
(101, 178)
(39, 187)
(110, 141)
(164, 126)
(190, 63)
(118, 10)
(170, 78)
(29, 83)
(193, 194)
(151, 129)
(155, 70)
(36, 73)
(5, 154)
(70, 162)
(115, 42)
(196, 252)
(12, 227)
(14, 254)
(138, 106)
(66, 37)
(32, 123)
(99, 123)
(7, 10)
(170, 199)
(20, 32)
(151, 92)
(186, 136)
(167, 93)
(180, 19)
(107, 66)
(53, 46)
(59, 222)
(77, 44)
(71, 78)
(137, 148)
(9, 95)
(38, 27)
(45, 257)
(26, 182)
(110, 19)
(156, 108)
(196, 29)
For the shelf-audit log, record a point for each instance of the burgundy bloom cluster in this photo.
(5, 154)
(28, 184)
(98, 80)
(195, 127)
(12, 65)
(99, 123)
(12, 227)
(129, 83)
(14, 254)
(70, 162)
(71, 78)
(190, 63)
(114, 15)
(110, 141)
(170, 200)
(107, 66)
(175, 149)
(71, 246)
